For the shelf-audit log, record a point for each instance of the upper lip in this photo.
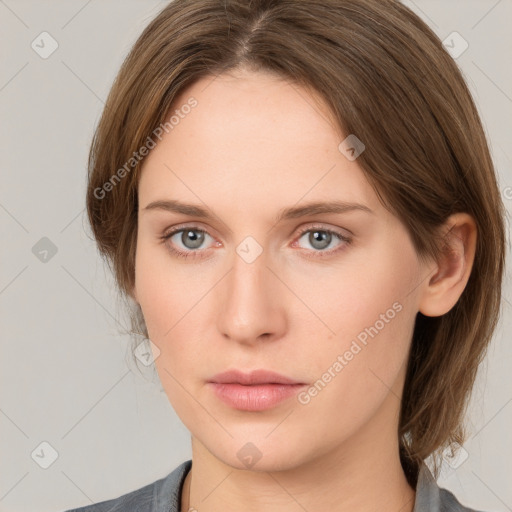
(254, 377)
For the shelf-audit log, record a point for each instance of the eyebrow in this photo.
(294, 212)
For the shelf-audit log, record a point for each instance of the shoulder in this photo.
(449, 503)
(163, 495)
(432, 498)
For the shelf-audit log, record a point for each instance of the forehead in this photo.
(251, 135)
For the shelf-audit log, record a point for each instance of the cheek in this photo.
(173, 300)
(167, 301)
(354, 292)
(166, 291)
(371, 306)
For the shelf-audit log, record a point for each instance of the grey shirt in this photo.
(164, 495)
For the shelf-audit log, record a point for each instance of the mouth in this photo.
(254, 377)
(258, 390)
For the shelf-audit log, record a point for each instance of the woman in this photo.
(298, 202)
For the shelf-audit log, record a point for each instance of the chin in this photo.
(261, 455)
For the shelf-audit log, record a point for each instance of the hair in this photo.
(386, 78)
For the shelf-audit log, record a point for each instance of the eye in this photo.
(321, 238)
(191, 239)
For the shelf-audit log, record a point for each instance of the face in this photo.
(326, 297)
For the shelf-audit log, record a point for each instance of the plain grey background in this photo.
(65, 380)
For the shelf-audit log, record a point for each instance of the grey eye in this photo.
(318, 238)
(191, 238)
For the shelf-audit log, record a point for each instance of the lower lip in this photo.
(258, 397)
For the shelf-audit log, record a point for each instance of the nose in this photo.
(251, 306)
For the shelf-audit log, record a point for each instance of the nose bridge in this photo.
(250, 297)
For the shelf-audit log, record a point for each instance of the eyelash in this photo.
(194, 254)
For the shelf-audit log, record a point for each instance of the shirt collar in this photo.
(429, 496)
(427, 491)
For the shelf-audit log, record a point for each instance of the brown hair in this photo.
(387, 79)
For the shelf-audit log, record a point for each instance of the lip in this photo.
(253, 377)
(254, 391)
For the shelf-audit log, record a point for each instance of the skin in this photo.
(254, 145)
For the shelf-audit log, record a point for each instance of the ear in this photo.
(453, 268)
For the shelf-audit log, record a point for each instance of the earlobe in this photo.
(446, 285)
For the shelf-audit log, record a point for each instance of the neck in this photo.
(361, 474)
